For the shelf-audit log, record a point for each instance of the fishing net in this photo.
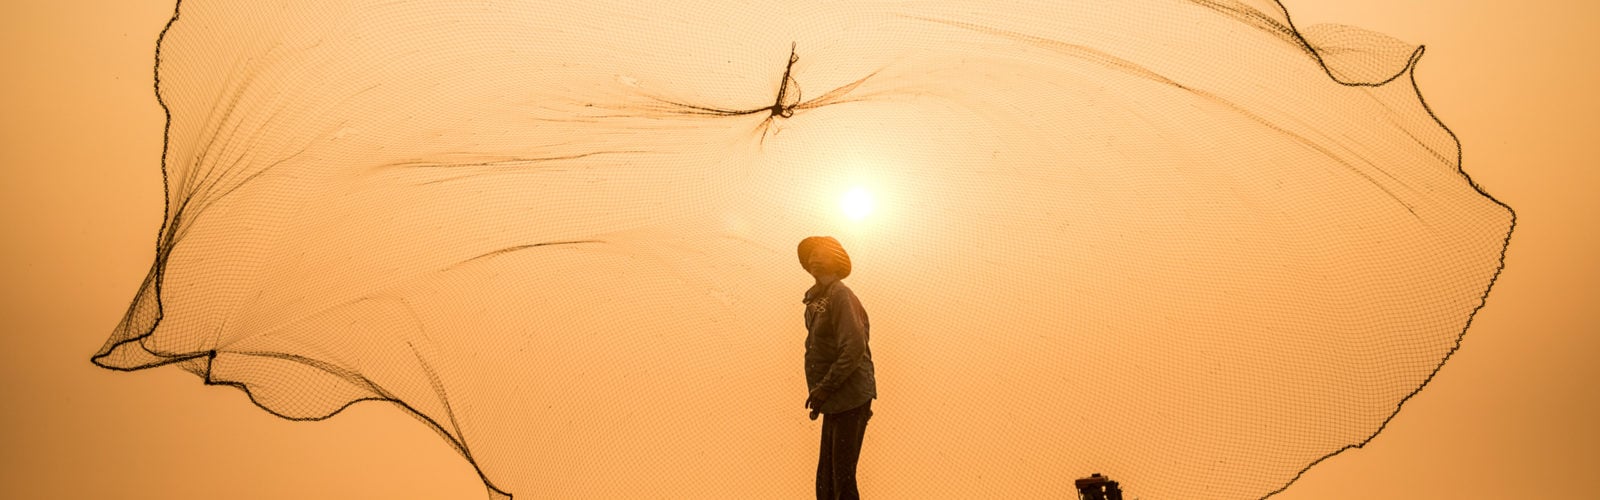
(1181, 243)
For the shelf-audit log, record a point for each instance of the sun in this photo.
(857, 203)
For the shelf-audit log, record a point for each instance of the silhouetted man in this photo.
(838, 366)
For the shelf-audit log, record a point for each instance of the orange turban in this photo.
(841, 260)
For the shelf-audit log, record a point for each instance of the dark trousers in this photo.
(841, 449)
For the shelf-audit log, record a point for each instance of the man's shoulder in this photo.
(841, 291)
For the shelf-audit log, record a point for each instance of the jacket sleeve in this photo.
(850, 330)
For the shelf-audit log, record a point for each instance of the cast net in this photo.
(1181, 243)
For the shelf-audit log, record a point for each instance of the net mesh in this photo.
(1181, 243)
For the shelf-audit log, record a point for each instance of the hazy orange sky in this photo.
(1514, 408)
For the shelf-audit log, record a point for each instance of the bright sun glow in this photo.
(857, 203)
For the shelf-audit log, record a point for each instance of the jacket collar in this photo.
(819, 290)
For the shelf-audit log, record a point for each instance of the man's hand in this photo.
(817, 398)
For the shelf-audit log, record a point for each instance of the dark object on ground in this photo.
(1098, 487)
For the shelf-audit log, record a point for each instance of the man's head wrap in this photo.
(831, 247)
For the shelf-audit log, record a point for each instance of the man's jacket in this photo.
(838, 359)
